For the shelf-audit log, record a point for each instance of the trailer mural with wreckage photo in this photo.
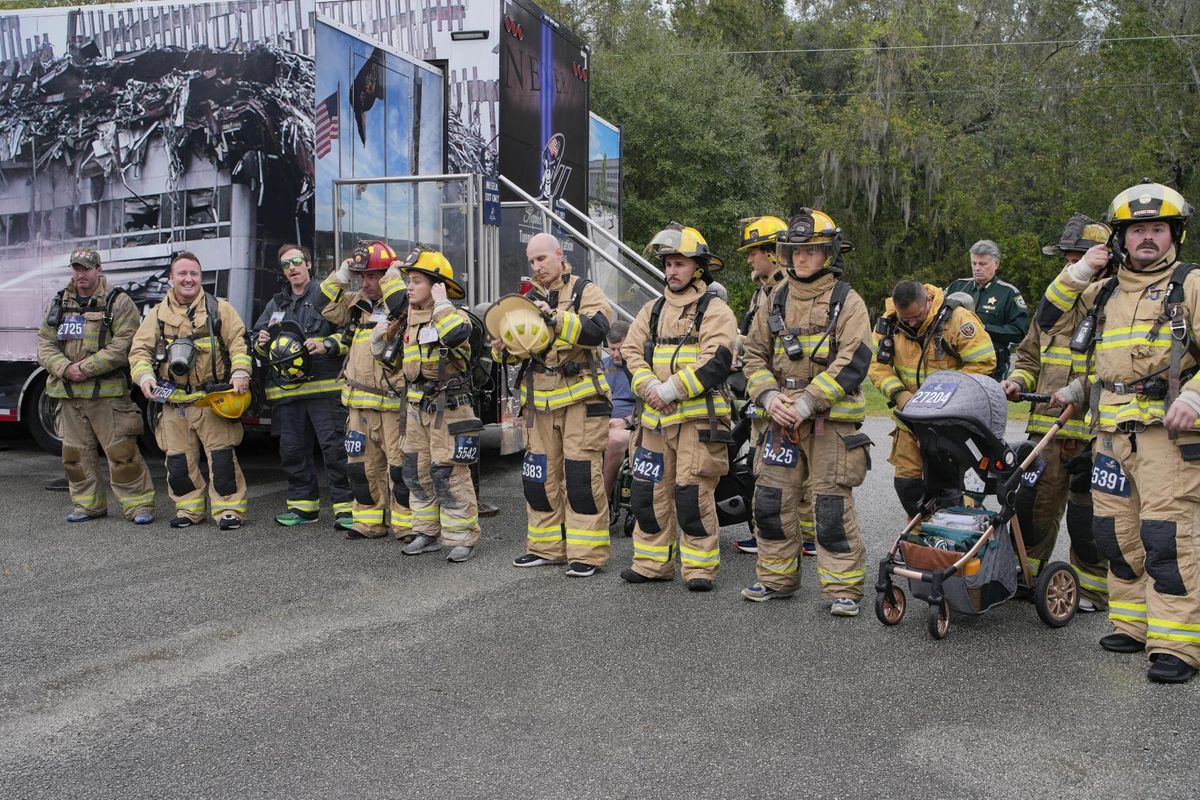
(141, 131)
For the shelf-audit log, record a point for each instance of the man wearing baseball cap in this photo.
(83, 345)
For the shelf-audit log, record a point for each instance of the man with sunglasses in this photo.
(301, 383)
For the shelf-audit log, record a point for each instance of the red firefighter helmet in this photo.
(372, 255)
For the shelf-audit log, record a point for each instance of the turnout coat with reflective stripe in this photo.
(384, 388)
(966, 346)
(836, 386)
(103, 366)
(1045, 364)
(190, 321)
(1133, 341)
(422, 360)
(305, 310)
(695, 368)
(578, 336)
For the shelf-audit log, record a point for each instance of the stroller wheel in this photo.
(889, 605)
(1056, 595)
(938, 620)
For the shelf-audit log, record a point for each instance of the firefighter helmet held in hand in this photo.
(1148, 202)
(1080, 234)
(433, 264)
(287, 357)
(372, 255)
(812, 227)
(226, 402)
(517, 325)
(761, 232)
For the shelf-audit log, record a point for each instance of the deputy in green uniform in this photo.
(998, 304)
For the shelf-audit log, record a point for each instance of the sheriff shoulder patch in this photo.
(1020, 301)
(967, 329)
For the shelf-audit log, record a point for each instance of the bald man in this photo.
(565, 400)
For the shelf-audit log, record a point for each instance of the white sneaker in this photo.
(421, 544)
(1087, 606)
(844, 607)
(461, 553)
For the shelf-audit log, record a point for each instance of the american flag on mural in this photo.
(327, 124)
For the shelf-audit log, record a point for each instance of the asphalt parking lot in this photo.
(273, 662)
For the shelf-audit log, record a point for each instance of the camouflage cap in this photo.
(86, 257)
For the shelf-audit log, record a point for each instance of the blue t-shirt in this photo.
(623, 401)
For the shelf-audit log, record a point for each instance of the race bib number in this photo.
(933, 395)
(648, 465)
(1031, 476)
(276, 318)
(466, 448)
(355, 442)
(533, 468)
(428, 335)
(162, 392)
(1109, 477)
(779, 451)
(71, 328)
(378, 315)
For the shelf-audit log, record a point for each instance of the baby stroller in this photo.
(734, 490)
(968, 560)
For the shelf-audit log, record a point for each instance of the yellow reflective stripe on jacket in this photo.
(1140, 409)
(640, 376)
(693, 408)
(756, 380)
(1060, 295)
(848, 410)
(1023, 377)
(979, 352)
(691, 383)
(329, 386)
(809, 342)
(570, 326)
(674, 356)
(550, 399)
(1073, 429)
(1113, 338)
(357, 398)
(109, 387)
(331, 289)
(829, 387)
(1062, 356)
(448, 323)
(890, 385)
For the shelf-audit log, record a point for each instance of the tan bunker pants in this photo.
(675, 477)
(114, 424)
(181, 432)
(563, 480)
(437, 472)
(375, 467)
(834, 462)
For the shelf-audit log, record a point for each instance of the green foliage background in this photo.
(921, 126)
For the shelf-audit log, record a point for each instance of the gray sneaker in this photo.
(843, 607)
(461, 553)
(421, 544)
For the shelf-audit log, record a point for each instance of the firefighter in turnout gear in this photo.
(680, 353)
(758, 243)
(566, 407)
(189, 346)
(807, 355)
(919, 334)
(83, 345)
(372, 389)
(292, 341)
(441, 440)
(1141, 328)
(1045, 362)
